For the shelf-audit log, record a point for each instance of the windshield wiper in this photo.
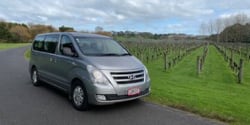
(110, 54)
(115, 54)
(125, 54)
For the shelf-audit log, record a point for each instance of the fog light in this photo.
(101, 97)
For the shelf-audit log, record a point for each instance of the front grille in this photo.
(128, 77)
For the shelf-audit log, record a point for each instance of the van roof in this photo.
(75, 34)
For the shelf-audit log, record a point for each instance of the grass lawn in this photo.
(12, 45)
(27, 54)
(215, 93)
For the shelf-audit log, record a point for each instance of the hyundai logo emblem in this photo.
(131, 77)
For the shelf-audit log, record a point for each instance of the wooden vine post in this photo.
(231, 59)
(147, 59)
(165, 61)
(198, 66)
(240, 74)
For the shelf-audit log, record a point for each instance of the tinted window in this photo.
(39, 43)
(66, 42)
(100, 47)
(51, 43)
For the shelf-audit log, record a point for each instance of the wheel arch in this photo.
(32, 67)
(72, 83)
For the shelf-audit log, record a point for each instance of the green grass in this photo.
(214, 93)
(27, 54)
(4, 46)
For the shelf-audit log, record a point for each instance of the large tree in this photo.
(5, 35)
(66, 29)
(236, 33)
(21, 33)
(38, 28)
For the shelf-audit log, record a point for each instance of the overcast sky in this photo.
(157, 16)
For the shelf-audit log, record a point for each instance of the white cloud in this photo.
(228, 14)
(174, 26)
(44, 19)
(123, 14)
(3, 16)
(127, 9)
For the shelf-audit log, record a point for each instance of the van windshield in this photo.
(100, 47)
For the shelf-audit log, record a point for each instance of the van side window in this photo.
(66, 42)
(50, 43)
(39, 43)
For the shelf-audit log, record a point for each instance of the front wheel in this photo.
(79, 96)
(35, 78)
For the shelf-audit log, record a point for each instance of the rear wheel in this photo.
(35, 78)
(79, 96)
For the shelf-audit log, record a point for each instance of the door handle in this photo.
(50, 59)
(53, 60)
(73, 63)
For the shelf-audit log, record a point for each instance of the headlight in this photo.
(97, 76)
(146, 74)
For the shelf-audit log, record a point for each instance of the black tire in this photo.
(35, 77)
(79, 96)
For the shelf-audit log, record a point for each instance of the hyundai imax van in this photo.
(92, 69)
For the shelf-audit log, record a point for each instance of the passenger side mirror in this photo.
(68, 51)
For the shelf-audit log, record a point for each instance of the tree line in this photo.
(15, 32)
(234, 28)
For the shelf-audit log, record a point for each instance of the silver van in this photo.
(92, 69)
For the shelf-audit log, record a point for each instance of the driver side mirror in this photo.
(68, 51)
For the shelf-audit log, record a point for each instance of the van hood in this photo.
(115, 62)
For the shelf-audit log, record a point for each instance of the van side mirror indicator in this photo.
(69, 52)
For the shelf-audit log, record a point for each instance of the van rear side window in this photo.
(50, 43)
(39, 43)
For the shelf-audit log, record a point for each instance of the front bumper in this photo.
(114, 92)
(114, 98)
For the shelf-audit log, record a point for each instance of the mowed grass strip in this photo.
(27, 54)
(246, 73)
(12, 45)
(214, 93)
